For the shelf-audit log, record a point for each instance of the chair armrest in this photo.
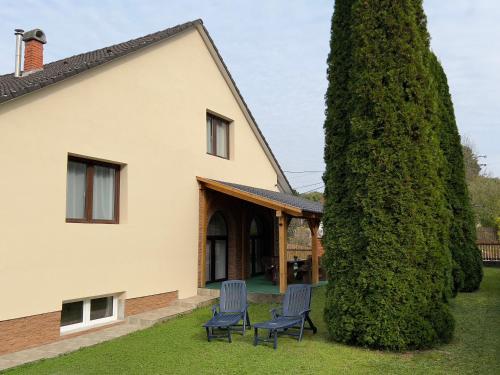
(244, 309)
(276, 312)
(214, 309)
(305, 311)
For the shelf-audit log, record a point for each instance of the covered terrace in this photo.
(243, 226)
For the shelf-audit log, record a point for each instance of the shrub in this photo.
(386, 220)
(468, 268)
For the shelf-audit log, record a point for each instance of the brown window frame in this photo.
(214, 136)
(89, 191)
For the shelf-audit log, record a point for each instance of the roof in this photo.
(291, 204)
(12, 87)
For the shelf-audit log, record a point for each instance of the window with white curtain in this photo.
(103, 202)
(92, 191)
(75, 190)
(217, 136)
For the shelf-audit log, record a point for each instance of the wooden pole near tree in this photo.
(283, 234)
(314, 227)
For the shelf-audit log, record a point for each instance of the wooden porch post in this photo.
(203, 237)
(283, 231)
(314, 226)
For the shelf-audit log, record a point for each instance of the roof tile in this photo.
(12, 87)
(284, 198)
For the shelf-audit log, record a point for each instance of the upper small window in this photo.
(217, 136)
(92, 191)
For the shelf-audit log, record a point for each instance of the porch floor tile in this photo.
(258, 284)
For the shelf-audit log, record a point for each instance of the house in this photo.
(131, 176)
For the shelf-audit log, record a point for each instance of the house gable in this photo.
(147, 112)
(11, 87)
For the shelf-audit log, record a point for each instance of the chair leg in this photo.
(208, 334)
(229, 334)
(256, 337)
(275, 339)
(301, 333)
(311, 324)
(244, 323)
(248, 320)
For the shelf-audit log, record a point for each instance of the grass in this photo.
(180, 347)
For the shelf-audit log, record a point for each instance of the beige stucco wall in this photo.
(147, 111)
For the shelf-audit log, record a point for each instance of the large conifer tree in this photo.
(467, 270)
(386, 221)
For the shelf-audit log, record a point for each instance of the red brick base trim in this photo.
(141, 304)
(35, 330)
(22, 333)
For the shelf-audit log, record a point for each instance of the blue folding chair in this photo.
(293, 315)
(232, 308)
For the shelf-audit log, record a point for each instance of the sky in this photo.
(276, 51)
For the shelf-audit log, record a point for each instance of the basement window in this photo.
(88, 312)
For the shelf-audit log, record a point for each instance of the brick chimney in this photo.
(33, 50)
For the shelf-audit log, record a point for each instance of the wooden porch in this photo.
(260, 290)
(284, 206)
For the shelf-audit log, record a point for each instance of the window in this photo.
(92, 191)
(88, 312)
(217, 136)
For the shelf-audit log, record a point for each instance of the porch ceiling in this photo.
(288, 203)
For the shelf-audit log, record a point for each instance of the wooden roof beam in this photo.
(249, 197)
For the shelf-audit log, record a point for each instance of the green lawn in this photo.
(180, 347)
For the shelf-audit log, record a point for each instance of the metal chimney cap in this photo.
(35, 34)
(18, 31)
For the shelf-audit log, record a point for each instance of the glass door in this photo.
(220, 252)
(216, 261)
(256, 247)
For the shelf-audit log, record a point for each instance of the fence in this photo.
(490, 252)
(487, 235)
(489, 244)
(299, 251)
